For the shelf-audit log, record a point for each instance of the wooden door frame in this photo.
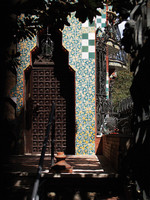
(27, 139)
(27, 149)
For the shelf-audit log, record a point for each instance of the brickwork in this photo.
(111, 149)
(114, 147)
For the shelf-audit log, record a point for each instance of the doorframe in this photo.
(27, 70)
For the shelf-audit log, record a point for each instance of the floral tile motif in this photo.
(82, 60)
(79, 40)
(24, 48)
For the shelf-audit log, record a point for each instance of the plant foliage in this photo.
(121, 87)
(38, 14)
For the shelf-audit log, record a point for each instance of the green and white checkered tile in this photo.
(107, 85)
(88, 40)
(87, 24)
(101, 20)
(88, 45)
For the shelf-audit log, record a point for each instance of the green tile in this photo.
(98, 20)
(85, 49)
(91, 42)
(104, 15)
(103, 25)
(92, 55)
(84, 35)
(92, 24)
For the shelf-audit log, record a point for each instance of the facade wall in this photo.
(115, 147)
(79, 40)
(24, 48)
(111, 149)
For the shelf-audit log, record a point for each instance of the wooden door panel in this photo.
(48, 87)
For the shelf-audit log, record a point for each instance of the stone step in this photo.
(90, 174)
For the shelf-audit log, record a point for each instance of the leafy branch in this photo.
(38, 14)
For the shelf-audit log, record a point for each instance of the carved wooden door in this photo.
(45, 85)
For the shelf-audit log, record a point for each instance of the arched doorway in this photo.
(46, 82)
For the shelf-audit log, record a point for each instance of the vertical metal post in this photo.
(107, 59)
(53, 140)
(39, 171)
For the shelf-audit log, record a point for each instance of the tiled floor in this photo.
(80, 163)
(92, 178)
(90, 164)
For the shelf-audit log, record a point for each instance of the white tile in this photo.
(103, 20)
(85, 55)
(85, 42)
(91, 36)
(85, 24)
(98, 25)
(91, 48)
(98, 17)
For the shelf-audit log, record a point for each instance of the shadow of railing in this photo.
(35, 195)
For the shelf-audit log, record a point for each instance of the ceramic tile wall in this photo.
(88, 40)
(24, 48)
(101, 20)
(81, 47)
(79, 40)
(101, 23)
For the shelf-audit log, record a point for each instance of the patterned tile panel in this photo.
(101, 20)
(81, 49)
(24, 48)
(79, 40)
(88, 45)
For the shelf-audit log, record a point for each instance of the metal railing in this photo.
(125, 105)
(35, 195)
